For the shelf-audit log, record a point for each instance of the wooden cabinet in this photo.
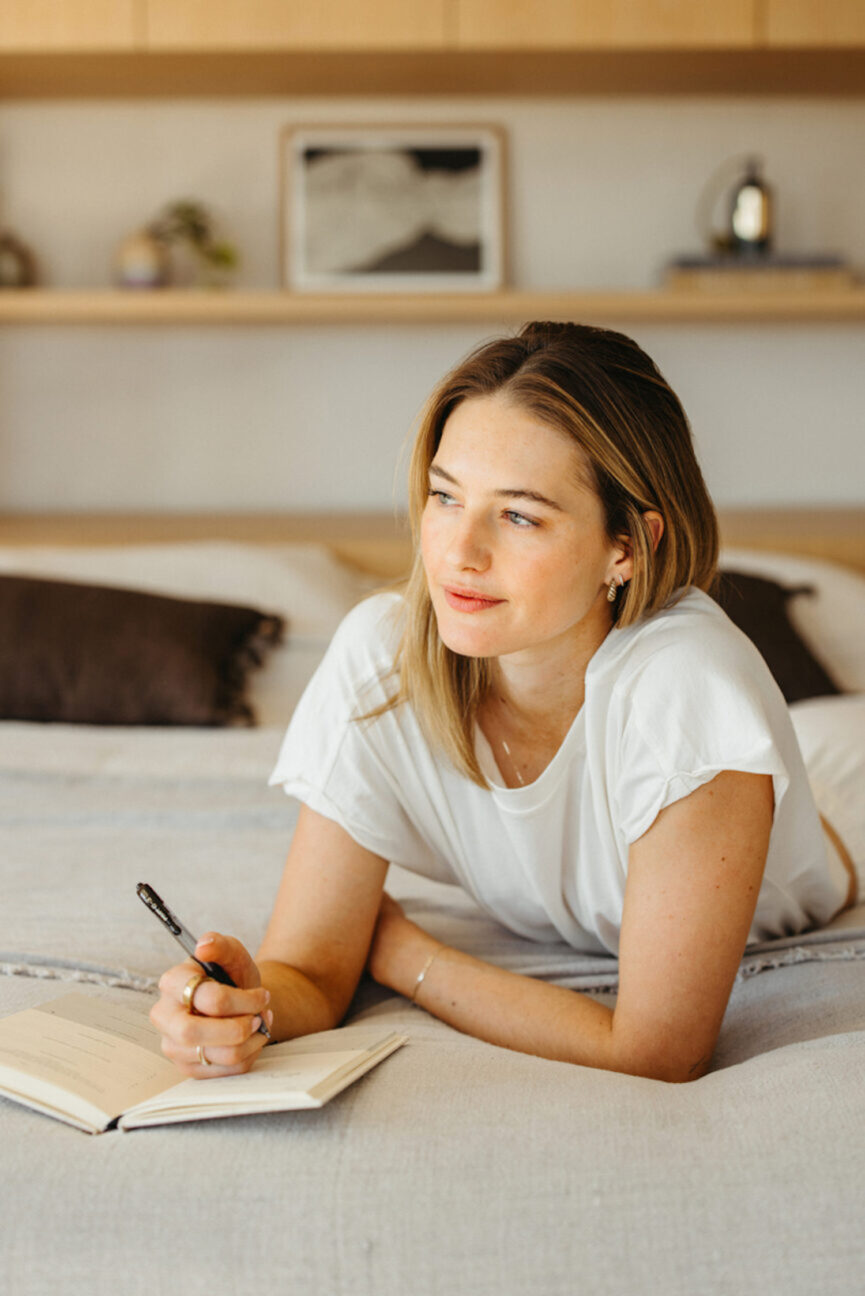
(59, 49)
(815, 24)
(605, 24)
(271, 26)
(61, 26)
(209, 25)
(557, 26)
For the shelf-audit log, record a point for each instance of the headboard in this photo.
(379, 542)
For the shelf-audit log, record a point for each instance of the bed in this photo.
(456, 1166)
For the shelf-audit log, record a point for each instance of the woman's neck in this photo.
(543, 689)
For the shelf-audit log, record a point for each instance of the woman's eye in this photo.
(441, 496)
(520, 519)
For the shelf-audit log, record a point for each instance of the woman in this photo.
(556, 716)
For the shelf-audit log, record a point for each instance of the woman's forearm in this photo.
(501, 1007)
(299, 1007)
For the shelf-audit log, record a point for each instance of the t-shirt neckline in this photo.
(534, 794)
(531, 795)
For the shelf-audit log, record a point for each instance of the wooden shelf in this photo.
(545, 73)
(230, 307)
(379, 542)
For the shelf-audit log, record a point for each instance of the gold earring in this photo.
(612, 589)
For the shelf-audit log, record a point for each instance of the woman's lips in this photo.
(468, 600)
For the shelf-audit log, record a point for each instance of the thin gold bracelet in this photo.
(426, 967)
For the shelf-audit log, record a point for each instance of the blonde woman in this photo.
(556, 716)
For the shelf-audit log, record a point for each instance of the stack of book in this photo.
(731, 273)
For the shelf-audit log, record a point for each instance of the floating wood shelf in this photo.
(29, 74)
(230, 307)
(379, 542)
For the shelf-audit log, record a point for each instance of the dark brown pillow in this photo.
(90, 654)
(759, 607)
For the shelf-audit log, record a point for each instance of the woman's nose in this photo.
(469, 547)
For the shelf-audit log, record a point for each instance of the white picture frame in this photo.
(392, 208)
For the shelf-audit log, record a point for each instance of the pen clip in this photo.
(158, 906)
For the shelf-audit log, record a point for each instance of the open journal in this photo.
(94, 1062)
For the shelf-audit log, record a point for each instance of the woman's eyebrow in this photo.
(516, 492)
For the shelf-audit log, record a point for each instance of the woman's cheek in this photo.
(432, 539)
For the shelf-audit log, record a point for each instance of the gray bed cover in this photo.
(456, 1166)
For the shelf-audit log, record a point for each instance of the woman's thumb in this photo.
(230, 954)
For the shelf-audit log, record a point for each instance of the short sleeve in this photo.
(340, 765)
(687, 716)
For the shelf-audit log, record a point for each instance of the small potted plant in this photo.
(183, 249)
(197, 258)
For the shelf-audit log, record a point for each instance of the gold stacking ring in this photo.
(202, 1057)
(190, 988)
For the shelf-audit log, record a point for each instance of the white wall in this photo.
(602, 191)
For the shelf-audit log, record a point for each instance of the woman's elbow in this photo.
(682, 1075)
(664, 1067)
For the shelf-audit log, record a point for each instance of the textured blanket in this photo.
(456, 1166)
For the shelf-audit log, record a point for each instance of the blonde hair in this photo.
(601, 389)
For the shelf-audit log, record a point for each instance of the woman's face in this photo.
(512, 537)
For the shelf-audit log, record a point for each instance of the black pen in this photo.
(187, 941)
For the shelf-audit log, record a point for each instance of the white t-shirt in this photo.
(669, 703)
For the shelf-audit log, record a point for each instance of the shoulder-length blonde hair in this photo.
(601, 389)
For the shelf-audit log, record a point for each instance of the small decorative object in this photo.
(142, 262)
(740, 257)
(392, 208)
(197, 257)
(748, 230)
(751, 213)
(178, 249)
(17, 263)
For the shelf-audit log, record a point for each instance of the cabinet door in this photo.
(55, 26)
(816, 23)
(295, 24)
(604, 24)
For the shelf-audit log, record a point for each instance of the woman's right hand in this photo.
(221, 1036)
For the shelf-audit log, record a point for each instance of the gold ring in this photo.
(190, 988)
(202, 1057)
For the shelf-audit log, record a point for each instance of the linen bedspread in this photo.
(456, 1166)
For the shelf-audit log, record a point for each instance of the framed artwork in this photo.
(392, 208)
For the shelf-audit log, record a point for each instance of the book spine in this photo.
(757, 280)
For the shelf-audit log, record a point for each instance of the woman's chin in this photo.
(468, 640)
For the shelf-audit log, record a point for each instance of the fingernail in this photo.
(267, 997)
(256, 1022)
(269, 1019)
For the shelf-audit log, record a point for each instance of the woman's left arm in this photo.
(692, 888)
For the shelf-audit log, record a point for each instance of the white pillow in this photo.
(831, 733)
(302, 582)
(831, 621)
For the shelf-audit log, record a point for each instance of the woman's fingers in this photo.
(187, 1029)
(211, 998)
(231, 955)
(224, 1024)
(207, 1061)
(230, 1044)
(216, 1031)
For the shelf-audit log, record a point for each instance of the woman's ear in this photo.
(655, 526)
(624, 563)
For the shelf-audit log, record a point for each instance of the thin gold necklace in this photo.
(522, 781)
